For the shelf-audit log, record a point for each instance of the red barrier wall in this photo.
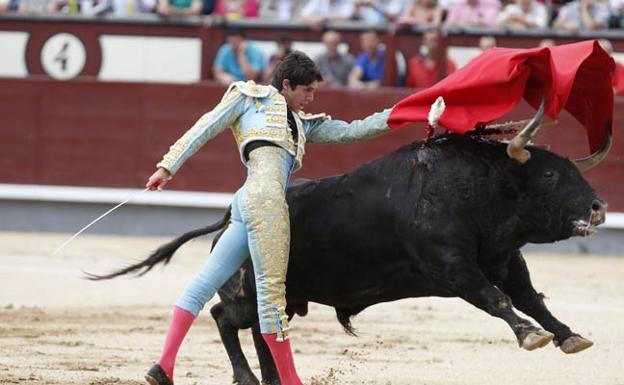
(90, 133)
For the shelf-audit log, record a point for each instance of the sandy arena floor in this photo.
(57, 328)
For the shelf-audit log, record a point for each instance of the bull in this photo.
(443, 218)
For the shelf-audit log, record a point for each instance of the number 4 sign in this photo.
(63, 56)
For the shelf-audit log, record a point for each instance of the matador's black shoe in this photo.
(156, 376)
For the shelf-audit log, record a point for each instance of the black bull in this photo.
(447, 219)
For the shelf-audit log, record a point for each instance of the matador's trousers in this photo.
(259, 227)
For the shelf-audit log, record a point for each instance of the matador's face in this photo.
(300, 96)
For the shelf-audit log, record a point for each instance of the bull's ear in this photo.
(597, 157)
(515, 148)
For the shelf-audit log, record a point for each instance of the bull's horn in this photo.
(515, 148)
(585, 164)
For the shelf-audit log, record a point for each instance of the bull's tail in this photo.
(165, 252)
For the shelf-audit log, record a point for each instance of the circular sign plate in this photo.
(63, 56)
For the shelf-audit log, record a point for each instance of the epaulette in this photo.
(306, 116)
(250, 88)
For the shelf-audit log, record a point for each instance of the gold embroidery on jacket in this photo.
(279, 136)
(269, 221)
(250, 88)
(176, 150)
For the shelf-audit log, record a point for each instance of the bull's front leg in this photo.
(469, 283)
(517, 285)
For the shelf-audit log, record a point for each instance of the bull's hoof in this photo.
(537, 339)
(575, 344)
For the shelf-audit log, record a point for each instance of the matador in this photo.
(271, 131)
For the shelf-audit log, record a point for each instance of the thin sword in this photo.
(97, 219)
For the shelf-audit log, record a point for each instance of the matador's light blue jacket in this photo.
(258, 112)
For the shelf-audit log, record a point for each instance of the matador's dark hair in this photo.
(298, 68)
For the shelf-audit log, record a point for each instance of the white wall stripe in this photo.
(44, 193)
(13, 54)
(150, 59)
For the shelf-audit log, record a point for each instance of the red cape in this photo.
(575, 76)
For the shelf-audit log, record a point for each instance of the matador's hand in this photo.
(159, 179)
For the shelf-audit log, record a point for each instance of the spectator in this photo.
(379, 12)
(237, 9)
(335, 66)
(473, 13)
(617, 13)
(179, 7)
(124, 8)
(422, 12)
(524, 14)
(237, 60)
(96, 7)
(284, 47)
(85, 7)
(369, 66)
(32, 6)
(282, 10)
(208, 7)
(582, 15)
(447, 4)
(487, 42)
(617, 77)
(423, 69)
(8, 6)
(318, 12)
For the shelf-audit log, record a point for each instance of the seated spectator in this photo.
(617, 77)
(84, 7)
(237, 60)
(334, 66)
(96, 7)
(179, 7)
(237, 9)
(422, 12)
(524, 14)
(31, 6)
(124, 8)
(487, 42)
(473, 13)
(379, 12)
(617, 13)
(582, 15)
(423, 69)
(209, 6)
(282, 10)
(317, 12)
(8, 6)
(369, 67)
(447, 4)
(284, 47)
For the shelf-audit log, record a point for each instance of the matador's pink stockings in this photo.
(180, 324)
(283, 358)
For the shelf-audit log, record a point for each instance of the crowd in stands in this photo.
(574, 15)
(238, 59)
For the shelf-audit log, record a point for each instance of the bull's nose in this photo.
(599, 212)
